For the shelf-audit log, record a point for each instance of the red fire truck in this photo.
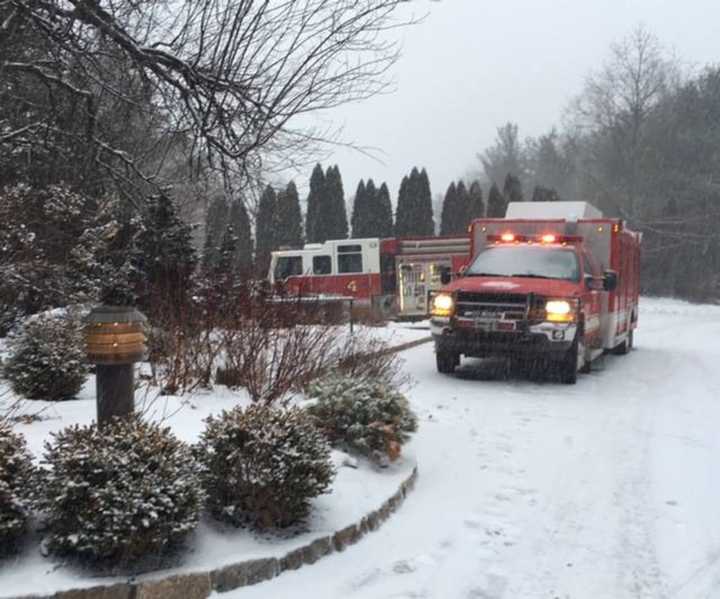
(388, 277)
(554, 282)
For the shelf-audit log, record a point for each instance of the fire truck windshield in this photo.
(526, 261)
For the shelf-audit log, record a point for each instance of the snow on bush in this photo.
(16, 485)
(263, 465)
(118, 493)
(362, 415)
(47, 358)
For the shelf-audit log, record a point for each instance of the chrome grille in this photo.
(495, 306)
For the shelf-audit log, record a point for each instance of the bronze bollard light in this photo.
(115, 340)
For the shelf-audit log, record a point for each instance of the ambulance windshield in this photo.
(526, 261)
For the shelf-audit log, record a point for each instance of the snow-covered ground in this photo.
(609, 489)
(355, 491)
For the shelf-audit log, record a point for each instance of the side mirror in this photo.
(593, 283)
(445, 275)
(610, 280)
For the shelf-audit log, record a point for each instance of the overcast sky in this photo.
(472, 65)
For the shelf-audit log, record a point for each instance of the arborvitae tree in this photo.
(265, 230)
(512, 190)
(215, 224)
(333, 213)
(404, 211)
(166, 257)
(360, 211)
(425, 220)
(414, 211)
(384, 213)
(448, 217)
(371, 194)
(289, 225)
(476, 207)
(463, 207)
(314, 200)
(227, 252)
(543, 194)
(238, 219)
(496, 203)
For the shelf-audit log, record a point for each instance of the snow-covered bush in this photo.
(263, 465)
(47, 358)
(16, 485)
(51, 244)
(118, 493)
(362, 415)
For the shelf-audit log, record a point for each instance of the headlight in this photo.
(443, 305)
(559, 311)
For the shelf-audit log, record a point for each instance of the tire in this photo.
(446, 362)
(625, 347)
(571, 364)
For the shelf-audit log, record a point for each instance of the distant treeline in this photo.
(641, 142)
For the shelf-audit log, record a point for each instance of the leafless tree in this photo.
(614, 108)
(224, 85)
(505, 156)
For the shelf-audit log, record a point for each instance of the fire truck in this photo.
(552, 282)
(389, 278)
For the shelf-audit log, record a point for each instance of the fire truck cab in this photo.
(554, 282)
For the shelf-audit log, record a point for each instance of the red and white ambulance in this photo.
(552, 281)
(392, 278)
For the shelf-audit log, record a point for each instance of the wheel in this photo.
(574, 361)
(625, 347)
(446, 361)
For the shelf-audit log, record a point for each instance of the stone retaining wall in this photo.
(200, 584)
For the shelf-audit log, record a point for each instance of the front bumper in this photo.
(469, 338)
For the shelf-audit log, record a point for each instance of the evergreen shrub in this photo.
(263, 465)
(16, 485)
(119, 493)
(362, 415)
(47, 358)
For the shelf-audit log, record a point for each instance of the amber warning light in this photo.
(509, 237)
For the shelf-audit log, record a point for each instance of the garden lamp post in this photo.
(115, 340)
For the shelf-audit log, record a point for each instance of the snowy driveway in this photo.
(608, 489)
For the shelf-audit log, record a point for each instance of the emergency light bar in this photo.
(509, 237)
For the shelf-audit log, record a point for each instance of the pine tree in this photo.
(450, 205)
(384, 213)
(166, 257)
(289, 217)
(215, 223)
(476, 208)
(512, 190)
(496, 203)
(333, 213)
(265, 230)
(314, 200)
(238, 219)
